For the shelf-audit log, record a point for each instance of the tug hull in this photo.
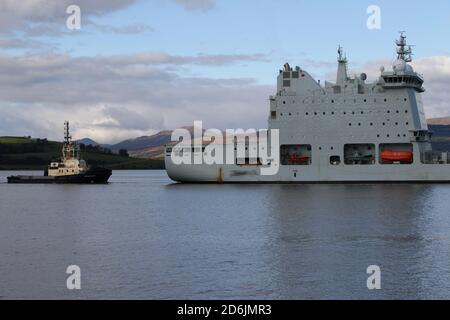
(92, 176)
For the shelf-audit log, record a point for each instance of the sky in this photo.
(140, 66)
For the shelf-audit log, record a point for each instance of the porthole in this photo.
(389, 111)
(284, 102)
(397, 111)
(384, 124)
(359, 124)
(407, 123)
(349, 124)
(388, 136)
(324, 113)
(396, 123)
(371, 124)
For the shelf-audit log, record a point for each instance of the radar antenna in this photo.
(341, 56)
(404, 52)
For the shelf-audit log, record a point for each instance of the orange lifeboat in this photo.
(295, 159)
(397, 156)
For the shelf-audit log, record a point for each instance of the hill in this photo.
(18, 153)
(439, 121)
(159, 139)
(441, 137)
(88, 142)
(148, 147)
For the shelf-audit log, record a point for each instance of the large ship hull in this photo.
(415, 173)
(92, 176)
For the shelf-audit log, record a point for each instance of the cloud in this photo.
(118, 97)
(200, 5)
(127, 29)
(436, 72)
(111, 98)
(16, 43)
(20, 15)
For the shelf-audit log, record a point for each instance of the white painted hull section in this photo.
(376, 173)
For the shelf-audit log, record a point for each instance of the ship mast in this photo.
(70, 149)
(404, 51)
(342, 76)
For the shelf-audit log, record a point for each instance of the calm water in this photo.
(143, 237)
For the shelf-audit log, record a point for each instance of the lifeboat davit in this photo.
(397, 156)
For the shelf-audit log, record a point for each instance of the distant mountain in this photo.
(148, 147)
(441, 137)
(87, 142)
(441, 131)
(159, 139)
(439, 121)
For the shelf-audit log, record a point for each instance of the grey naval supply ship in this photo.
(350, 131)
(71, 168)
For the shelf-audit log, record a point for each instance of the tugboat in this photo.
(71, 168)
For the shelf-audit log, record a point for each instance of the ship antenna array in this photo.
(404, 52)
(67, 137)
(341, 57)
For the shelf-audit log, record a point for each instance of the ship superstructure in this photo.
(71, 162)
(350, 130)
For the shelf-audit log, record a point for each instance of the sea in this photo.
(142, 236)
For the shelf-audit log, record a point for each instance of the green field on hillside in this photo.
(21, 153)
(16, 140)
